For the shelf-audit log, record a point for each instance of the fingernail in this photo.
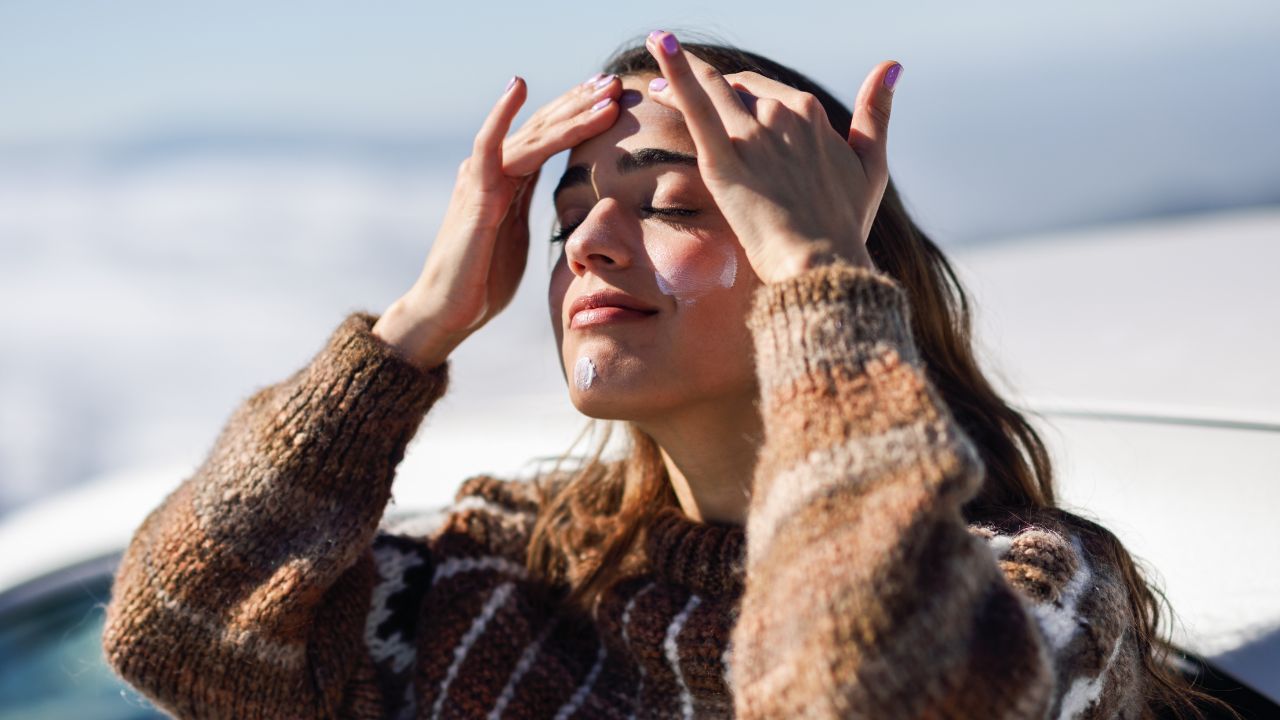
(592, 80)
(657, 85)
(603, 82)
(510, 84)
(670, 45)
(891, 77)
(602, 104)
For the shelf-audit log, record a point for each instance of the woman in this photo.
(825, 512)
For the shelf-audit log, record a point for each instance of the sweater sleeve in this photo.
(245, 593)
(867, 595)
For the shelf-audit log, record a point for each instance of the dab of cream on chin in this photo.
(584, 373)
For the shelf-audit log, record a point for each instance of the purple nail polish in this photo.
(891, 77)
(592, 80)
(657, 85)
(602, 104)
(603, 82)
(656, 35)
(670, 45)
(510, 84)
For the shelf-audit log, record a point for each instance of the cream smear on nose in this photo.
(689, 280)
(584, 373)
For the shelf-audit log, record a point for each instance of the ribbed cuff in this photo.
(828, 315)
(383, 378)
(354, 408)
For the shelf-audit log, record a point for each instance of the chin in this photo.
(603, 405)
(618, 399)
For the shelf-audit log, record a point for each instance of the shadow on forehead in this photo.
(630, 98)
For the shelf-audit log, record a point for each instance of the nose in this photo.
(601, 242)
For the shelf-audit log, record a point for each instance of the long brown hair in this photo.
(594, 516)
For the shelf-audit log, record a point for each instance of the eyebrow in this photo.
(630, 162)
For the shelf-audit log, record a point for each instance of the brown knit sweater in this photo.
(264, 586)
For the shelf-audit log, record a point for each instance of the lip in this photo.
(607, 306)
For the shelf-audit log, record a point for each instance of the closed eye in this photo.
(670, 213)
(564, 232)
(672, 216)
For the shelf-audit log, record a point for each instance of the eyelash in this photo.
(670, 213)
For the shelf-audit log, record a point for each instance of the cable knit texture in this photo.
(269, 584)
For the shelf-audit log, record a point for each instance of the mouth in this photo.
(607, 307)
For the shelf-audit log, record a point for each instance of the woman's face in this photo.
(645, 226)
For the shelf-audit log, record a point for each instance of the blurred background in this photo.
(193, 196)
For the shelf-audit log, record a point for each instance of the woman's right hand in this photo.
(478, 257)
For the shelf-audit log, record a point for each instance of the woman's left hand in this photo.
(795, 193)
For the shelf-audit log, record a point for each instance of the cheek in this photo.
(690, 268)
(556, 290)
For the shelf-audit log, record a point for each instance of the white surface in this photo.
(1198, 506)
(1172, 319)
(1183, 313)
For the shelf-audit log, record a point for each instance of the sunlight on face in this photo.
(644, 225)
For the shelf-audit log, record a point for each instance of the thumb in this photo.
(869, 132)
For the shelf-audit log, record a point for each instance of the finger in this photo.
(585, 114)
(525, 200)
(487, 149)
(518, 212)
(869, 131)
(699, 92)
(575, 98)
(758, 86)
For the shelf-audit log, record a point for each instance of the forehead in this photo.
(641, 123)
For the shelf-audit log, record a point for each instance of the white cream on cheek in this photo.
(584, 373)
(689, 275)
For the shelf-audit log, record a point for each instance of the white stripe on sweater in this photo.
(392, 566)
(626, 614)
(496, 601)
(1084, 692)
(672, 648)
(580, 695)
(233, 637)
(1059, 620)
(1000, 545)
(626, 636)
(726, 661)
(526, 661)
(850, 461)
(497, 563)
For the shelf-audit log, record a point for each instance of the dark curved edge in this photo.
(70, 577)
(1213, 680)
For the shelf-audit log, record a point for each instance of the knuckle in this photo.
(707, 73)
(879, 112)
(810, 104)
(768, 109)
(755, 134)
(534, 138)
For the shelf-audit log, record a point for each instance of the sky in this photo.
(1102, 110)
(76, 70)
